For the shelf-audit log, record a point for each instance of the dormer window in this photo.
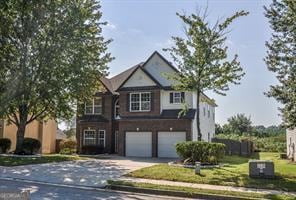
(177, 97)
(94, 106)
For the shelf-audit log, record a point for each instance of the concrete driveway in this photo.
(93, 173)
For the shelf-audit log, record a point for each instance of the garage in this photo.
(138, 144)
(167, 142)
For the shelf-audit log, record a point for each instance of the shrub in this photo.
(92, 150)
(5, 145)
(30, 146)
(204, 152)
(68, 147)
(66, 151)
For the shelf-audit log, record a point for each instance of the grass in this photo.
(234, 173)
(9, 161)
(191, 192)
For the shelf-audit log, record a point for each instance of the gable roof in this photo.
(114, 83)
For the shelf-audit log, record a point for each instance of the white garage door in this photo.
(167, 142)
(138, 144)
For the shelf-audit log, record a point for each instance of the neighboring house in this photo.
(291, 144)
(45, 132)
(137, 113)
(61, 135)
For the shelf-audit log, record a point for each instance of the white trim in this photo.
(93, 106)
(140, 101)
(100, 138)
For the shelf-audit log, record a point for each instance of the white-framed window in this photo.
(101, 138)
(94, 106)
(89, 137)
(204, 111)
(140, 101)
(209, 111)
(177, 97)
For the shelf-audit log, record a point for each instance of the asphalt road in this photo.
(47, 192)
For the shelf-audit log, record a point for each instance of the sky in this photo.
(139, 27)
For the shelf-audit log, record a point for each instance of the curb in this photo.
(175, 193)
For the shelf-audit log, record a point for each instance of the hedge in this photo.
(68, 147)
(204, 152)
(5, 145)
(30, 146)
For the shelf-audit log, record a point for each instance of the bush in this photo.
(5, 145)
(30, 146)
(68, 147)
(91, 150)
(204, 152)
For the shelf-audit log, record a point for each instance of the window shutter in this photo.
(182, 97)
(127, 101)
(151, 101)
(171, 97)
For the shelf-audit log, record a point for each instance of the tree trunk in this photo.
(199, 135)
(21, 128)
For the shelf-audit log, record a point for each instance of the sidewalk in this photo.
(206, 186)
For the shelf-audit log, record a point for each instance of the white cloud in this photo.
(110, 26)
(168, 43)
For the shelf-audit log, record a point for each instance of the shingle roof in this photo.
(113, 83)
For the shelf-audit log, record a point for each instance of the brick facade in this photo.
(153, 126)
(98, 122)
(125, 104)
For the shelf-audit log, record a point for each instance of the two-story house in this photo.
(137, 113)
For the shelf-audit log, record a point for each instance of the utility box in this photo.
(261, 169)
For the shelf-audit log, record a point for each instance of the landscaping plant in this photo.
(197, 151)
(30, 146)
(68, 147)
(5, 145)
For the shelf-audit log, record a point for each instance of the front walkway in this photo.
(205, 186)
(92, 173)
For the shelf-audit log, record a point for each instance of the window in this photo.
(101, 138)
(94, 107)
(140, 101)
(209, 112)
(116, 110)
(177, 97)
(204, 111)
(89, 137)
(209, 137)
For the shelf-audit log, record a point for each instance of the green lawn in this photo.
(193, 192)
(234, 173)
(16, 161)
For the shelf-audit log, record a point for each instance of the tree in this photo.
(218, 129)
(52, 55)
(281, 56)
(239, 124)
(201, 58)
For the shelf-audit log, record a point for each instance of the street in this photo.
(47, 192)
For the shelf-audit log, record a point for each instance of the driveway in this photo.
(93, 173)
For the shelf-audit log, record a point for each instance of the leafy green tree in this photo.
(202, 58)
(52, 54)
(218, 129)
(281, 56)
(239, 124)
